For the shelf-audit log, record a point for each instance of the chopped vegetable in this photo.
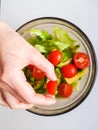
(51, 87)
(55, 57)
(37, 73)
(69, 70)
(76, 77)
(81, 60)
(62, 36)
(65, 90)
(66, 58)
(44, 35)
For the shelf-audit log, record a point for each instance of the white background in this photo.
(83, 13)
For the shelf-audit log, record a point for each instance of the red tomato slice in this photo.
(55, 57)
(81, 60)
(30, 67)
(37, 73)
(69, 70)
(51, 87)
(65, 90)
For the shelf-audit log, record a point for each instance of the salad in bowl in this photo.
(62, 51)
(70, 51)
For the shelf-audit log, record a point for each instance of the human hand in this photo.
(15, 54)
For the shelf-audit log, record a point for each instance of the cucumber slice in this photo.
(75, 85)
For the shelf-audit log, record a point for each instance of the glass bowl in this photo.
(85, 85)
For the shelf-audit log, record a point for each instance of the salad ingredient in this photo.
(37, 73)
(79, 75)
(51, 87)
(38, 84)
(66, 58)
(75, 85)
(30, 67)
(75, 48)
(42, 34)
(81, 60)
(55, 57)
(69, 70)
(62, 36)
(46, 42)
(65, 90)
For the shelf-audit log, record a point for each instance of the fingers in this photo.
(16, 84)
(40, 99)
(8, 100)
(2, 99)
(24, 89)
(43, 64)
(14, 103)
(5, 87)
(21, 90)
(12, 100)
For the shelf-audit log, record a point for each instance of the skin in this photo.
(15, 54)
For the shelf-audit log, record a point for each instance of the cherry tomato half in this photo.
(65, 90)
(81, 60)
(51, 87)
(55, 57)
(30, 67)
(69, 70)
(37, 73)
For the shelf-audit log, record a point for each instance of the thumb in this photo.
(25, 90)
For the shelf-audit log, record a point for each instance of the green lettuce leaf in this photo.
(66, 58)
(43, 34)
(62, 36)
(41, 48)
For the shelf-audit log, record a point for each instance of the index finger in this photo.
(43, 64)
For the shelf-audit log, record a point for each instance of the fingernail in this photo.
(49, 95)
(51, 99)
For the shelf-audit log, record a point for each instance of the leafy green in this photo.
(43, 34)
(38, 84)
(46, 42)
(60, 45)
(62, 36)
(40, 48)
(75, 48)
(66, 56)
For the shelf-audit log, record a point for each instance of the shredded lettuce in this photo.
(66, 57)
(46, 42)
(40, 48)
(62, 36)
(43, 34)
